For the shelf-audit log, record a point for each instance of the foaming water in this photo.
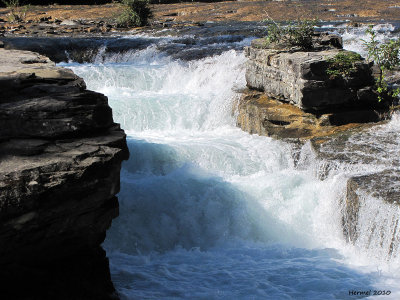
(209, 211)
(161, 94)
(353, 37)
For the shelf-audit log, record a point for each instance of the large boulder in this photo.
(60, 160)
(301, 78)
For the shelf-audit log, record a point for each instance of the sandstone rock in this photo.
(60, 160)
(300, 77)
(262, 115)
(338, 142)
(93, 29)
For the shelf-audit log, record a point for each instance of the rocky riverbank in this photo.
(298, 98)
(100, 20)
(291, 96)
(60, 160)
(61, 152)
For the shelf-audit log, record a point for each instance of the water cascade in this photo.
(209, 211)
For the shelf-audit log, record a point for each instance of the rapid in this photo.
(208, 211)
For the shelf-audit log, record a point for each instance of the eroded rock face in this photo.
(60, 160)
(260, 114)
(366, 155)
(371, 156)
(301, 78)
(292, 97)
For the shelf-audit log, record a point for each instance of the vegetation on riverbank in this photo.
(343, 64)
(386, 56)
(294, 34)
(134, 13)
(193, 12)
(17, 11)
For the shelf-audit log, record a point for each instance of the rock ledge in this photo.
(291, 96)
(60, 160)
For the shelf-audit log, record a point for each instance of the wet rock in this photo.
(291, 94)
(60, 160)
(350, 213)
(259, 114)
(383, 185)
(338, 123)
(80, 49)
(370, 155)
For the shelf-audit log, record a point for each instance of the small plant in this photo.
(17, 12)
(298, 33)
(386, 57)
(135, 13)
(343, 64)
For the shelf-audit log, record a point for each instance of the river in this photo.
(208, 211)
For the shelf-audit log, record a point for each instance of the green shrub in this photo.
(135, 13)
(17, 11)
(296, 34)
(386, 57)
(343, 64)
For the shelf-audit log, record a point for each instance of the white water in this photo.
(354, 38)
(210, 212)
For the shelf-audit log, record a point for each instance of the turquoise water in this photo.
(210, 212)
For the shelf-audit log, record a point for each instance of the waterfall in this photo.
(209, 211)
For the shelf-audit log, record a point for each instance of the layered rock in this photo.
(260, 114)
(79, 49)
(60, 159)
(373, 175)
(301, 78)
(293, 93)
(292, 96)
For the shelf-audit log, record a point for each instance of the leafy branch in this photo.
(298, 33)
(386, 57)
(343, 64)
(17, 12)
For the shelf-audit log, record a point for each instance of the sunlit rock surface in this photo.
(300, 77)
(292, 97)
